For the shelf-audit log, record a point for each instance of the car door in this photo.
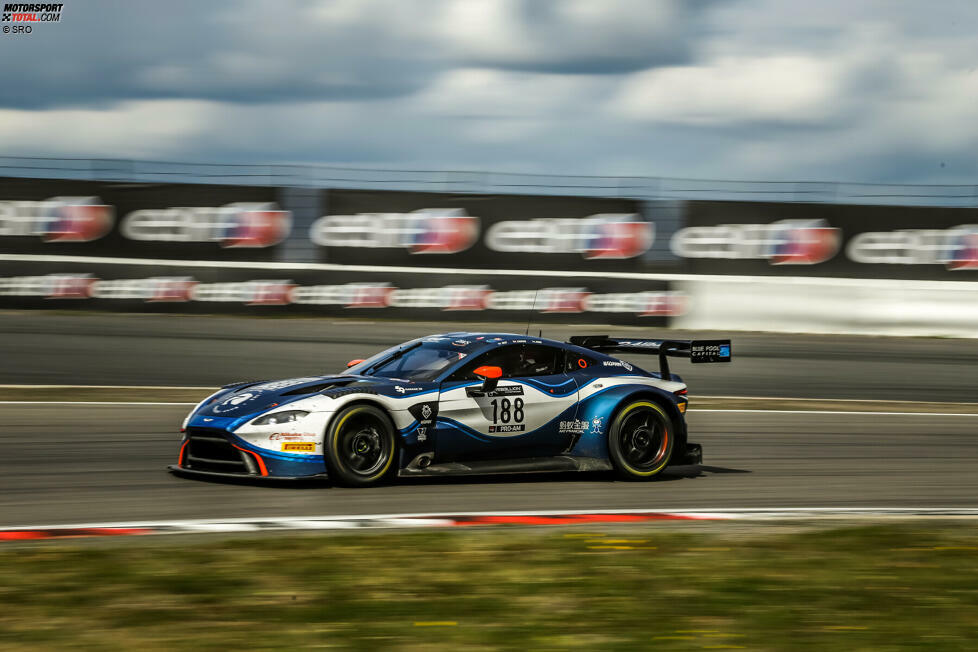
(519, 418)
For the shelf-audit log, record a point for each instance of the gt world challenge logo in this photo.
(26, 14)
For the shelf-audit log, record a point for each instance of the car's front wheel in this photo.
(359, 446)
(640, 440)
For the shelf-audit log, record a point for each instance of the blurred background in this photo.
(700, 165)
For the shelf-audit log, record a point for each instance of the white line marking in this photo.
(691, 411)
(446, 518)
(112, 403)
(693, 397)
(832, 400)
(712, 278)
(858, 412)
(129, 387)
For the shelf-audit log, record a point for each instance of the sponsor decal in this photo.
(602, 236)
(597, 425)
(575, 427)
(299, 447)
(283, 384)
(291, 436)
(461, 343)
(617, 363)
(422, 434)
(234, 401)
(400, 389)
(59, 219)
(710, 351)
(641, 343)
(235, 225)
(424, 231)
(424, 413)
(507, 390)
(512, 427)
(955, 248)
(787, 242)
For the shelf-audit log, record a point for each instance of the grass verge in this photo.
(880, 587)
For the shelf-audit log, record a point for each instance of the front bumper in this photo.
(176, 469)
(218, 453)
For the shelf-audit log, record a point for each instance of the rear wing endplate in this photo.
(695, 350)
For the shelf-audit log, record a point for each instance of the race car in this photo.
(456, 403)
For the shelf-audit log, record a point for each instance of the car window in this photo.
(578, 361)
(516, 361)
(419, 362)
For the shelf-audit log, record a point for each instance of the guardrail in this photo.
(475, 181)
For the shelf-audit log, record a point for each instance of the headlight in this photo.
(279, 417)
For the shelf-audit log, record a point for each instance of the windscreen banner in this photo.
(836, 240)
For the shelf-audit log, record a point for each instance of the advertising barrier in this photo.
(794, 239)
(304, 289)
(469, 257)
(484, 231)
(170, 221)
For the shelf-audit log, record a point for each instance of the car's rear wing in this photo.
(695, 350)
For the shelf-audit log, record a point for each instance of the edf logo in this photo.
(963, 249)
(59, 219)
(240, 224)
(801, 243)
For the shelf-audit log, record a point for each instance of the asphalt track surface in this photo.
(113, 349)
(105, 463)
(66, 464)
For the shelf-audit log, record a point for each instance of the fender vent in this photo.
(315, 389)
(343, 391)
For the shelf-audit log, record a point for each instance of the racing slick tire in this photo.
(359, 446)
(641, 440)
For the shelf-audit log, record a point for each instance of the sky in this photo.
(833, 90)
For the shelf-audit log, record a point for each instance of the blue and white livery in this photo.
(456, 403)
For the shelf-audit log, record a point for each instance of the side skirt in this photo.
(420, 467)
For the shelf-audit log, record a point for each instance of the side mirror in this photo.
(353, 363)
(490, 377)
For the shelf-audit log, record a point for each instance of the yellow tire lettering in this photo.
(658, 409)
(336, 445)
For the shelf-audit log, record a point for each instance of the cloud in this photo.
(729, 90)
(876, 91)
(571, 36)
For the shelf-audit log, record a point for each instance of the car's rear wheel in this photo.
(360, 446)
(640, 440)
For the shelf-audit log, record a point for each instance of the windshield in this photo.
(420, 361)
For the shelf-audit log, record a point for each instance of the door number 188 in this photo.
(501, 410)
